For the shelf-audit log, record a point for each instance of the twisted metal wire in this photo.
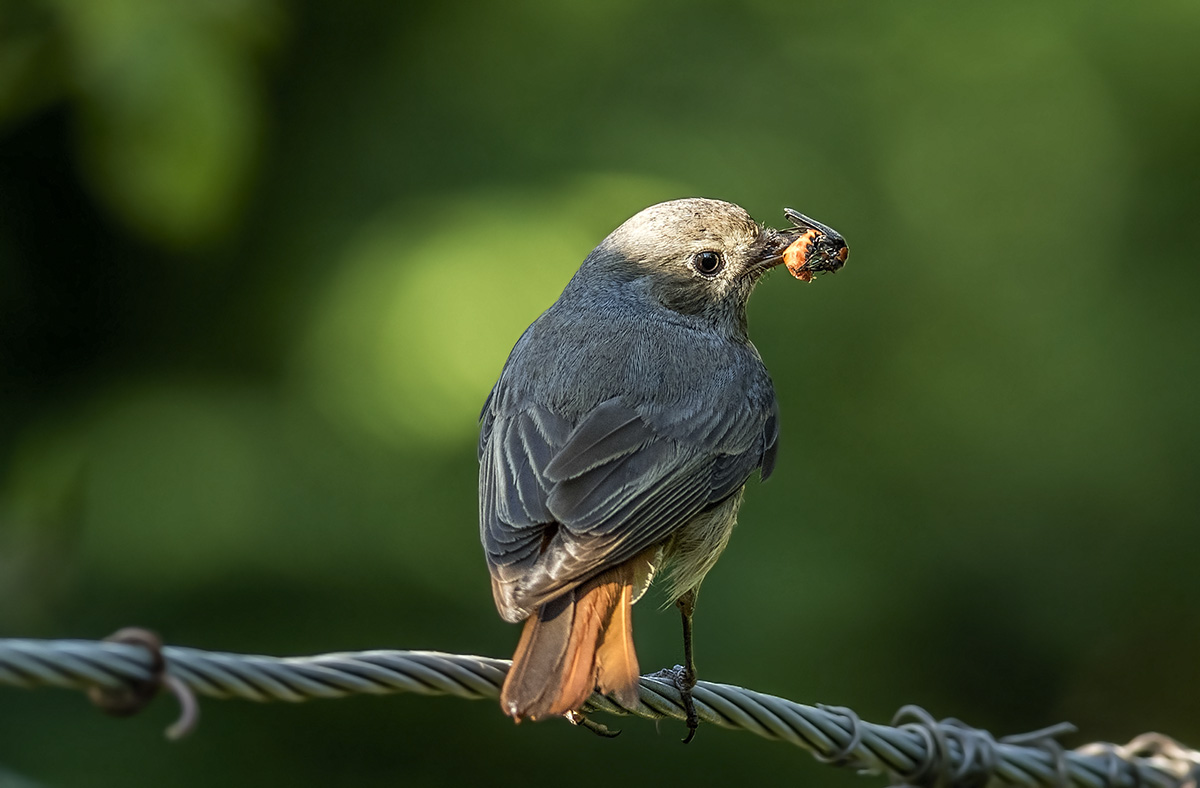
(915, 750)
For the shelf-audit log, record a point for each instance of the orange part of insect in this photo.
(796, 255)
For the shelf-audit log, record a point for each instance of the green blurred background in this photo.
(260, 263)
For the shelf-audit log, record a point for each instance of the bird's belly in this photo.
(692, 550)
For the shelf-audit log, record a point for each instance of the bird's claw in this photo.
(685, 681)
(598, 728)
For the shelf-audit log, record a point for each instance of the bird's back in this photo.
(580, 353)
(702, 406)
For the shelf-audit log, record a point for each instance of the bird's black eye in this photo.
(708, 263)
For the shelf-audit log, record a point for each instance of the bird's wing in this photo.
(560, 503)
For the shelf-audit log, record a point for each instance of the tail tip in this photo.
(513, 710)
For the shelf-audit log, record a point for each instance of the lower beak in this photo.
(773, 245)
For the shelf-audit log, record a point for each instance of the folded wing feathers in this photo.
(615, 484)
(610, 431)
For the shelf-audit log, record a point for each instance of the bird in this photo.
(615, 446)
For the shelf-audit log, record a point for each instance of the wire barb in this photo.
(843, 756)
(135, 694)
(123, 673)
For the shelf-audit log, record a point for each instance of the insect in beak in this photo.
(817, 248)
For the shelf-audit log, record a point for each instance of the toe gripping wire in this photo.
(133, 695)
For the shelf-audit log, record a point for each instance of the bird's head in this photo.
(702, 258)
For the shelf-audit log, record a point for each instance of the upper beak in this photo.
(772, 245)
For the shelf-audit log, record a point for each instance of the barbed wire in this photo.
(123, 673)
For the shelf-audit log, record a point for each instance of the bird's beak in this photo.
(807, 248)
(774, 243)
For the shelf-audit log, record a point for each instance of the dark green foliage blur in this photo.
(260, 262)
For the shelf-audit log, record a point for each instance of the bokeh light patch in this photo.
(413, 331)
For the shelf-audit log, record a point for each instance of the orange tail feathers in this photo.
(616, 662)
(571, 645)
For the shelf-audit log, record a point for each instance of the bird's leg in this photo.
(685, 679)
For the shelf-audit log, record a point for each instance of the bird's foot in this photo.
(685, 682)
(600, 729)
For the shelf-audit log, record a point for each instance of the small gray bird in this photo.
(619, 438)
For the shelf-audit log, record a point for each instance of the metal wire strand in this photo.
(917, 750)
